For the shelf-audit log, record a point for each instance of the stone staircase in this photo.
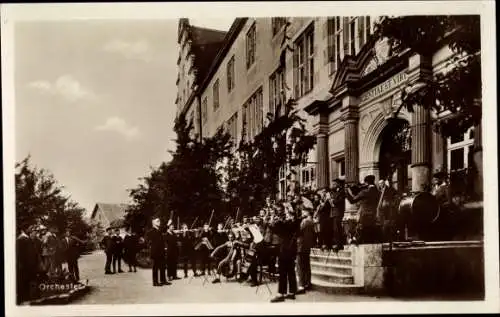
(334, 272)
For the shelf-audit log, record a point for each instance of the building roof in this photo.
(205, 44)
(112, 212)
(209, 52)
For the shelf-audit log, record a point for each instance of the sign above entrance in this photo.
(384, 87)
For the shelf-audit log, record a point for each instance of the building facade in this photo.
(348, 85)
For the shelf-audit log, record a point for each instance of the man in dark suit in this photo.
(187, 254)
(368, 199)
(70, 251)
(287, 229)
(107, 244)
(25, 265)
(157, 245)
(130, 249)
(172, 253)
(118, 251)
(305, 242)
(337, 201)
(204, 248)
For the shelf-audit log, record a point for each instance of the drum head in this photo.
(424, 208)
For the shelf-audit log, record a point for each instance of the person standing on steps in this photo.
(368, 199)
(157, 253)
(337, 213)
(305, 242)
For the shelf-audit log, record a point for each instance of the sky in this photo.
(94, 101)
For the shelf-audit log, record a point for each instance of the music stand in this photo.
(261, 275)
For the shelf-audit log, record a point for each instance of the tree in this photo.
(39, 200)
(457, 88)
(189, 186)
(254, 171)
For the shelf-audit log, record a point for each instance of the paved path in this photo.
(136, 288)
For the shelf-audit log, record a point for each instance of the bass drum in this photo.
(418, 212)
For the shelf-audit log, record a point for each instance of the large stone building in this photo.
(348, 85)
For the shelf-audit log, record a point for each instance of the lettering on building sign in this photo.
(384, 87)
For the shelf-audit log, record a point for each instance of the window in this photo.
(232, 127)
(368, 28)
(216, 95)
(276, 89)
(251, 46)
(361, 32)
(230, 74)
(338, 42)
(352, 37)
(337, 168)
(334, 39)
(308, 176)
(277, 24)
(460, 150)
(253, 115)
(204, 110)
(341, 168)
(304, 63)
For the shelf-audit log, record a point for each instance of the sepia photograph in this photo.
(310, 159)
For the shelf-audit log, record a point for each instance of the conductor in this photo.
(157, 245)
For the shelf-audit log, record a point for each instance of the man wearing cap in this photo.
(107, 244)
(368, 199)
(441, 191)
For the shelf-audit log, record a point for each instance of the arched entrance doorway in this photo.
(395, 154)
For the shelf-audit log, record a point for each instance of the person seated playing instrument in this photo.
(229, 265)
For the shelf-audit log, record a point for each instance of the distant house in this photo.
(109, 215)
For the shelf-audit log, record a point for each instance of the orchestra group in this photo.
(275, 243)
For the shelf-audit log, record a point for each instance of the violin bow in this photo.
(196, 219)
(211, 215)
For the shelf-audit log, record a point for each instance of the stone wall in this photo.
(450, 268)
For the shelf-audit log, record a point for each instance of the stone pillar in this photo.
(420, 149)
(419, 73)
(322, 153)
(350, 117)
(351, 148)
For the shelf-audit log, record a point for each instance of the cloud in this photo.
(139, 50)
(119, 125)
(66, 87)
